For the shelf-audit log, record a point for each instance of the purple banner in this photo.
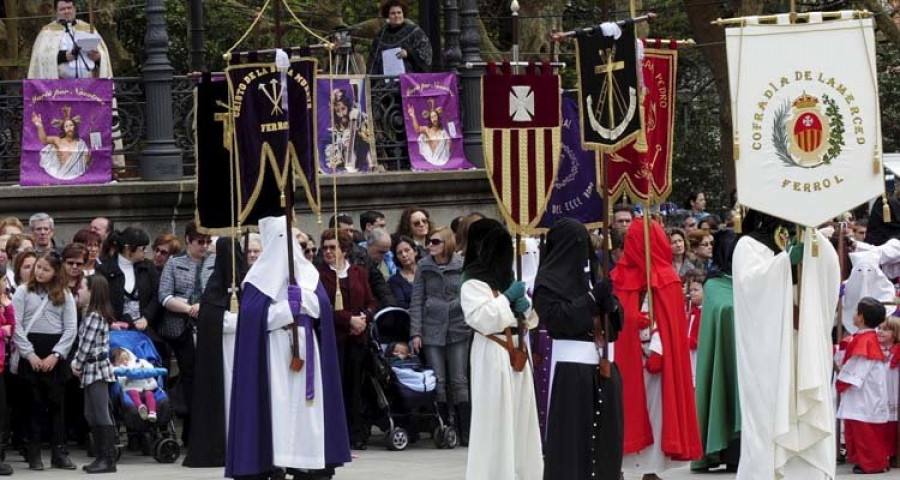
(67, 132)
(346, 142)
(575, 194)
(431, 115)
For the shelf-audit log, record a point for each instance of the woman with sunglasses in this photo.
(415, 223)
(132, 279)
(437, 326)
(165, 246)
(91, 241)
(181, 285)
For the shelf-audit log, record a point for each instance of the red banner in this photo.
(643, 176)
(521, 126)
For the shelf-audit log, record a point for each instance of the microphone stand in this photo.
(80, 55)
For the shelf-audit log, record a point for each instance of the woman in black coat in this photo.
(133, 280)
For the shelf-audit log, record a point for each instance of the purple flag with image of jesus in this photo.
(431, 116)
(66, 132)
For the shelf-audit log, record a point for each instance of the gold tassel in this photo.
(736, 148)
(885, 209)
(521, 247)
(640, 145)
(338, 299)
(815, 243)
(876, 164)
(738, 219)
(234, 303)
(283, 199)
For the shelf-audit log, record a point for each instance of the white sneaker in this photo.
(152, 417)
(142, 412)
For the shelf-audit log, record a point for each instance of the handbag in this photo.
(14, 356)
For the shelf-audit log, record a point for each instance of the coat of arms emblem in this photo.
(811, 137)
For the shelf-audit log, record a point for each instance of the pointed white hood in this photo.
(866, 280)
(270, 272)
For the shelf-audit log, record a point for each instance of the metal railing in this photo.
(130, 123)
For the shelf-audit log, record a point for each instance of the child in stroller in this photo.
(135, 386)
(404, 390)
(155, 437)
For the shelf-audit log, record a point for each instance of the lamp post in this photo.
(470, 79)
(160, 158)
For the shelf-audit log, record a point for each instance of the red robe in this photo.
(680, 436)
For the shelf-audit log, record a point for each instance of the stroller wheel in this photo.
(167, 451)
(397, 439)
(449, 437)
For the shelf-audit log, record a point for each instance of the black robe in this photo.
(407, 36)
(585, 422)
(207, 438)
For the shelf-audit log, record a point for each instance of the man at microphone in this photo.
(57, 52)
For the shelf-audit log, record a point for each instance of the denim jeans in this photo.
(450, 362)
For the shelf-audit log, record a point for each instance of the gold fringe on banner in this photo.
(234, 303)
(885, 208)
(738, 219)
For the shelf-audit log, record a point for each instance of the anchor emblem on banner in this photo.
(615, 101)
(275, 96)
(608, 89)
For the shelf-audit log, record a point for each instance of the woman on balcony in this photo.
(407, 41)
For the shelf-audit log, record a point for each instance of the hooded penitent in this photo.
(680, 439)
(866, 280)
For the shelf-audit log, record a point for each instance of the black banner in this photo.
(274, 136)
(608, 90)
(212, 151)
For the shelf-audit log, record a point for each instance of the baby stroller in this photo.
(403, 409)
(155, 438)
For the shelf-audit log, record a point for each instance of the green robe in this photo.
(718, 404)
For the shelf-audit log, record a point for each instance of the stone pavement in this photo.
(419, 462)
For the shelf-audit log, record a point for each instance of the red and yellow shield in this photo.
(522, 124)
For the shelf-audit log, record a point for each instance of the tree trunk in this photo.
(712, 40)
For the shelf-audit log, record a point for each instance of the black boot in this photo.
(105, 437)
(59, 458)
(463, 418)
(99, 439)
(34, 456)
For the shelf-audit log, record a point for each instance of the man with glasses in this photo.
(181, 284)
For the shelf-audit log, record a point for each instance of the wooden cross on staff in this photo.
(609, 69)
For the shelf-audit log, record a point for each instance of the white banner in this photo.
(805, 113)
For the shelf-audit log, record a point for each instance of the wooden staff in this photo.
(559, 36)
(91, 14)
(730, 22)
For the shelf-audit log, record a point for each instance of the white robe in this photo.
(867, 398)
(652, 459)
(440, 154)
(787, 413)
(229, 336)
(298, 425)
(893, 388)
(505, 438)
(46, 49)
(74, 167)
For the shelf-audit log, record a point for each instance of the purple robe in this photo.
(249, 449)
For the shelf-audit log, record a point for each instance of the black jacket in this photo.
(147, 280)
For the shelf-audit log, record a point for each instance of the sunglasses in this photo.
(435, 242)
(73, 263)
(419, 223)
(160, 251)
(202, 241)
(310, 250)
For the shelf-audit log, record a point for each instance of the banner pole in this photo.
(648, 263)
